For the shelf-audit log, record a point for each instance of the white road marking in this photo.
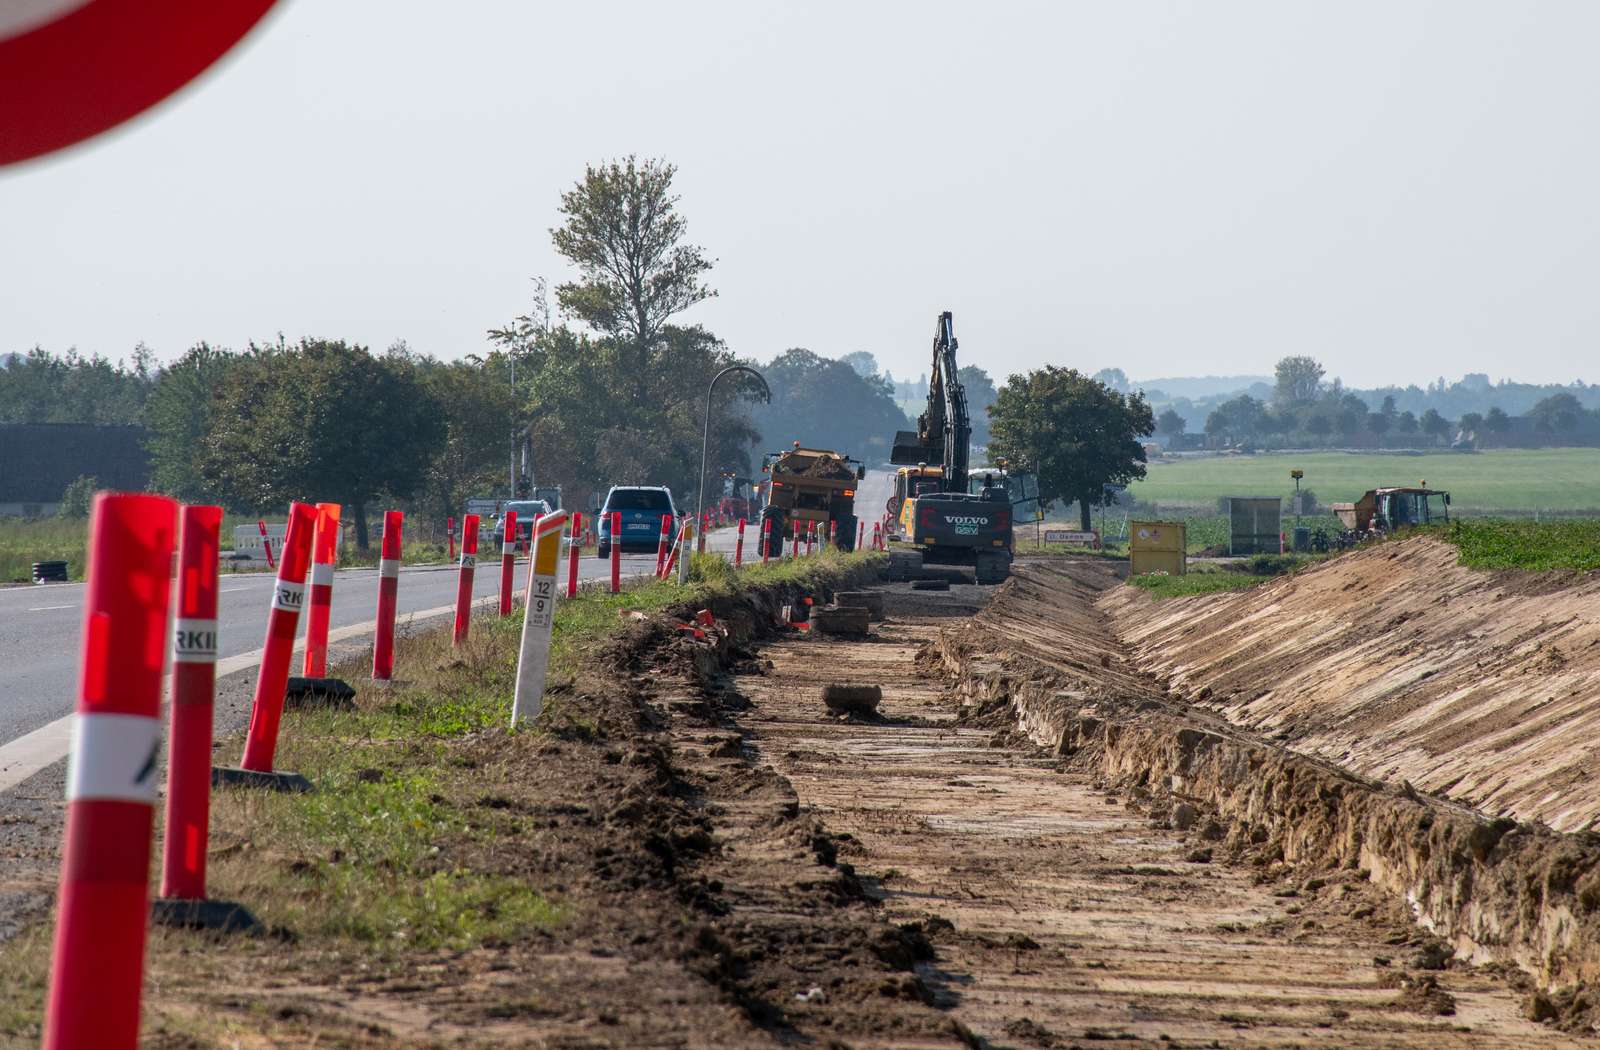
(49, 744)
(48, 608)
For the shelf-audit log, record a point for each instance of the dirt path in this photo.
(1073, 916)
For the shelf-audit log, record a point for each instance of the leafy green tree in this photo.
(1406, 423)
(622, 230)
(1170, 424)
(475, 403)
(177, 415)
(1320, 425)
(1472, 423)
(1434, 425)
(1297, 379)
(1240, 419)
(1114, 378)
(39, 387)
(980, 395)
(1075, 433)
(1378, 424)
(864, 363)
(78, 497)
(1558, 412)
(1496, 421)
(826, 404)
(320, 420)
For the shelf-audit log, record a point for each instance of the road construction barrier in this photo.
(684, 536)
(508, 559)
(266, 542)
(574, 548)
(616, 551)
(738, 546)
(97, 962)
(288, 598)
(533, 656)
(324, 553)
(194, 669)
(469, 569)
(663, 542)
(388, 596)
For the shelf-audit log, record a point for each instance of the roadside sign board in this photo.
(483, 506)
(1073, 537)
(539, 607)
(71, 69)
(247, 541)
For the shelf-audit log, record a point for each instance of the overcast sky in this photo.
(1403, 189)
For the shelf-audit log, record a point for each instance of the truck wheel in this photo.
(845, 538)
(991, 567)
(773, 536)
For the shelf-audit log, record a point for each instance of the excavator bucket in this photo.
(909, 451)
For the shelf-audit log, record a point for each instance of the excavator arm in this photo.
(943, 437)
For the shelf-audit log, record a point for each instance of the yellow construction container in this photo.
(1158, 546)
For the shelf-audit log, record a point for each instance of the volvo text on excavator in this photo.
(936, 512)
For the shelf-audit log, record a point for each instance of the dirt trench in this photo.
(1062, 914)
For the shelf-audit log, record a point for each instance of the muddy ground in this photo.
(1066, 915)
(736, 866)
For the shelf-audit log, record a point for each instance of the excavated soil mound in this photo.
(1400, 664)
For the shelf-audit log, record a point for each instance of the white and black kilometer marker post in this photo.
(539, 614)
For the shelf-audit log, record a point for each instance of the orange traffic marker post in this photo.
(616, 551)
(508, 559)
(388, 596)
(469, 568)
(266, 543)
(272, 681)
(539, 608)
(183, 900)
(766, 540)
(97, 962)
(861, 534)
(574, 546)
(314, 683)
(450, 535)
(663, 543)
(738, 546)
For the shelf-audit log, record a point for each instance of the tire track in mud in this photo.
(1063, 915)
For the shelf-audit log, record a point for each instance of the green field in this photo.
(1500, 481)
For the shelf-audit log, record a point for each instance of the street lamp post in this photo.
(705, 450)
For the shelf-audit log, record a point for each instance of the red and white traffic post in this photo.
(738, 546)
(183, 900)
(469, 569)
(508, 559)
(324, 553)
(766, 539)
(388, 596)
(97, 963)
(861, 534)
(266, 543)
(705, 527)
(877, 536)
(450, 536)
(616, 551)
(833, 532)
(574, 548)
(811, 538)
(663, 543)
(794, 552)
(288, 598)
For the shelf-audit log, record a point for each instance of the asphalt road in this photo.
(40, 627)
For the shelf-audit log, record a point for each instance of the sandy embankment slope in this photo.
(1398, 663)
